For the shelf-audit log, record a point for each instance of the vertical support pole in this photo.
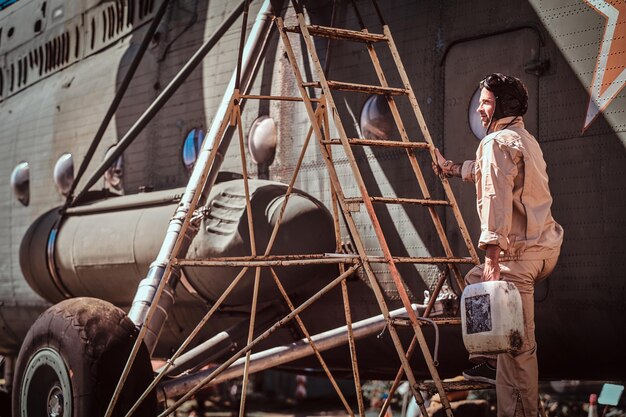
(344, 285)
(257, 275)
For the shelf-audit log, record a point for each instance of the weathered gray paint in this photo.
(582, 302)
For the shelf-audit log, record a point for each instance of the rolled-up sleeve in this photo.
(467, 171)
(498, 171)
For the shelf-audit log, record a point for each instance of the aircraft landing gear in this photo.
(71, 360)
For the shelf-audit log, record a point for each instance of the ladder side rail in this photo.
(349, 220)
(344, 286)
(357, 176)
(251, 233)
(273, 273)
(413, 161)
(428, 138)
(395, 274)
(411, 349)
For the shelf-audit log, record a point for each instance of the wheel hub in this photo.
(45, 373)
(55, 402)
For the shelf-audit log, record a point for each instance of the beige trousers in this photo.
(517, 373)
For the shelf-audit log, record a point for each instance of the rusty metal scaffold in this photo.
(321, 110)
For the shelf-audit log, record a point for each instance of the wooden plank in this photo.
(381, 143)
(399, 200)
(359, 88)
(429, 386)
(338, 33)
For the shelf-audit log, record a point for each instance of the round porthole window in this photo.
(376, 119)
(20, 183)
(262, 140)
(64, 173)
(474, 118)
(113, 177)
(191, 148)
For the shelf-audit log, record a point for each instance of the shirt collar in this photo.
(510, 121)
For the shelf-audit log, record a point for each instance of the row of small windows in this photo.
(376, 122)
(48, 57)
(63, 176)
(59, 50)
(261, 144)
(262, 141)
(119, 15)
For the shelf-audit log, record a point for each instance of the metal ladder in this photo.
(346, 204)
(167, 268)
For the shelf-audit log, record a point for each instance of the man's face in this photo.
(486, 106)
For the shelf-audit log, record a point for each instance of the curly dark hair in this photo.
(511, 94)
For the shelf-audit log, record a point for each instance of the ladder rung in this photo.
(360, 88)
(450, 386)
(437, 320)
(396, 200)
(337, 33)
(381, 143)
(421, 260)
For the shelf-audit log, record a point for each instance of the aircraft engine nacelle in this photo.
(104, 249)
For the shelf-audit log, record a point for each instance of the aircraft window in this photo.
(104, 25)
(67, 47)
(77, 45)
(37, 28)
(191, 148)
(19, 72)
(119, 7)
(10, 32)
(93, 32)
(376, 119)
(20, 182)
(41, 60)
(262, 140)
(130, 13)
(113, 177)
(474, 118)
(64, 173)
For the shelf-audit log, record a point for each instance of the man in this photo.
(520, 238)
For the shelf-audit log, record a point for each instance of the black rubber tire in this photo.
(5, 404)
(93, 338)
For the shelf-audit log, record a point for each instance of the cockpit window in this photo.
(474, 118)
(64, 173)
(113, 177)
(262, 140)
(191, 148)
(20, 183)
(376, 119)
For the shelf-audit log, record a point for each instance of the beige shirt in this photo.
(513, 197)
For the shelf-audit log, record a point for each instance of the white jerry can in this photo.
(492, 317)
